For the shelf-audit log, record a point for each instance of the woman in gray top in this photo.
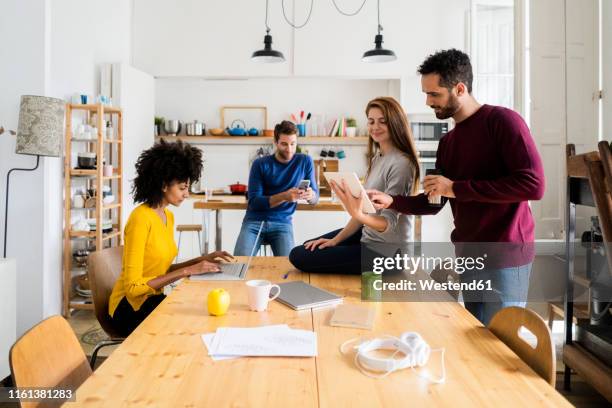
(393, 168)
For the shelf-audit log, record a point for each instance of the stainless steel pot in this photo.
(172, 127)
(195, 128)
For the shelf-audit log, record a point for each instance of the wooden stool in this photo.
(197, 228)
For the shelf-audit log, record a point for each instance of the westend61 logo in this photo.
(412, 264)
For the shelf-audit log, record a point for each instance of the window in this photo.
(492, 51)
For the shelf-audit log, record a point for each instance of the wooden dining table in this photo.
(164, 362)
(239, 202)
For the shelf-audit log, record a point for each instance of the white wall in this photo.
(48, 48)
(84, 35)
(216, 38)
(23, 71)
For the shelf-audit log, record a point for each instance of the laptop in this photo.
(230, 271)
(300, 295)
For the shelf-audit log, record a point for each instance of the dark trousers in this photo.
(344, 258)
(126, 319)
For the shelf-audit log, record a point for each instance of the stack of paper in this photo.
(278, 340)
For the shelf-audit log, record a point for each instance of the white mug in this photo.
(107, 170)
(78, 201)
(259, 294)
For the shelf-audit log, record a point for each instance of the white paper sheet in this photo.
(208, 340)
(263, 341)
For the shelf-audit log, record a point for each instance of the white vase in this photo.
(351, 131)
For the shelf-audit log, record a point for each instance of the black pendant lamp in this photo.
(267, 55)
(378, 54)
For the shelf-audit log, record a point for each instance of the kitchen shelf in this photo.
(92, 234)
(104, 208)
(111, 206)
(92, 173)
(74, 139)
(95, 108)
(104, 148)
(83, 172)
(259, 140)
(81, 303)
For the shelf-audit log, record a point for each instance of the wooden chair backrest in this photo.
(48, 355)
(506, 325)
(104, 268)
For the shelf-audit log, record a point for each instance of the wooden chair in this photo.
(506, 324)
(104, 268)
(48, 355)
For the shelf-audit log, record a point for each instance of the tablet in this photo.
(355, 187)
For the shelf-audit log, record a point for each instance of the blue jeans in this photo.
(279, 235)
(510, 288)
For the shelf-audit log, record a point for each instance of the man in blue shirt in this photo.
(273, 194)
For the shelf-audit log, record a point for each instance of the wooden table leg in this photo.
(206, 231)
(218, 231)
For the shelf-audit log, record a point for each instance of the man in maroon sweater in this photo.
(490, 169)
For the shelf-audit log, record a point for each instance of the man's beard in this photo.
(450, 109)
(284, 155)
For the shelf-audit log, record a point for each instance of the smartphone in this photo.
(304, 184)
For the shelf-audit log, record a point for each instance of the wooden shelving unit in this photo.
(589, 183)
(109, 149)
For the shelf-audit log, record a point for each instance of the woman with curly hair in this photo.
(163, 175)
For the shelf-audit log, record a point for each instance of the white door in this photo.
(582, 85)
(134, 91)
(547, 109)
(606, 67)
(582, 74)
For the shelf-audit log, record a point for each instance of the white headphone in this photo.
(411, 344)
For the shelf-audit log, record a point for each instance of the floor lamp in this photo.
(41, 125)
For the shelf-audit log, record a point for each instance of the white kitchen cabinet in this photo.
(207, 38)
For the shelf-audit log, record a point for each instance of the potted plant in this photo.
(351, 127)
(159, 123)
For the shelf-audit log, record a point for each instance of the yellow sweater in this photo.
(148, 252)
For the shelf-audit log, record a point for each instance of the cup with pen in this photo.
(435, 200)
(301, 123)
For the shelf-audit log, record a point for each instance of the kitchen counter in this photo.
(238, 202)
(229, 202)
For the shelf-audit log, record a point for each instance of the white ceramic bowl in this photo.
(109, 199)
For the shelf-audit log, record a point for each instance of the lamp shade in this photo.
(41, 126)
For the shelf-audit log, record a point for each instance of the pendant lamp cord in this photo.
(344, 13)
(267, 26)
(380, 28)
(292, 24)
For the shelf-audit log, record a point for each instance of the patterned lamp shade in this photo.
(41, 126)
